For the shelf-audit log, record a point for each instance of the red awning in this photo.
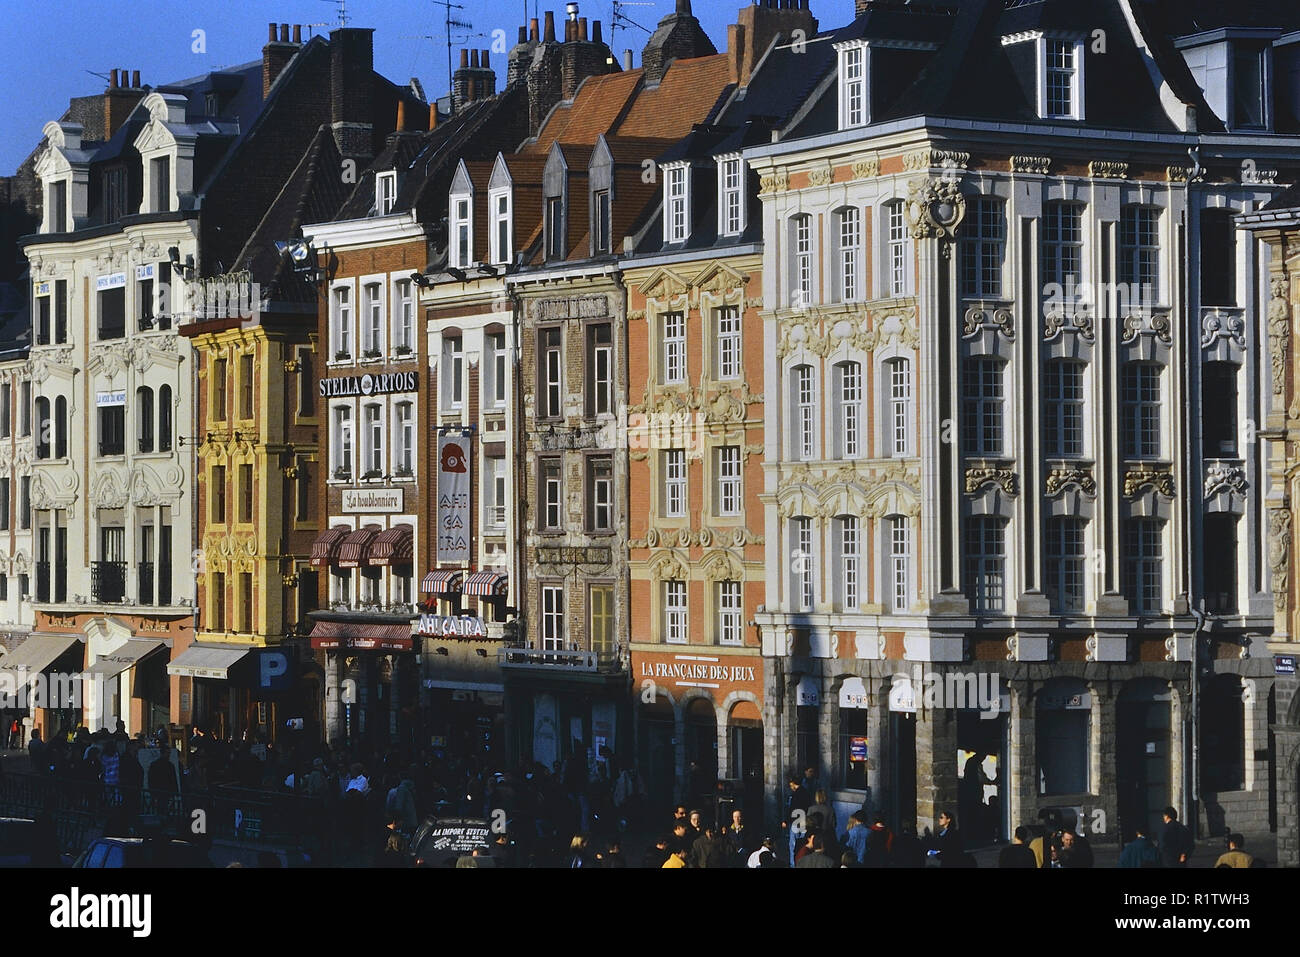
(394, 546)
(355, 545)
(442, 581)
(326, 545)
(329, 635)
(488, 584)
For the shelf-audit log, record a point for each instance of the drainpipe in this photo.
(1192, 807)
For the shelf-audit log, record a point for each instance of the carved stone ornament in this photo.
(1279, 554)
(777, 181)
(1077, 319)
(930, 158)
(1106, 169)
(1222, 325)
(1031, 164)
(1279, 331)
(821, 175)
(1220, 477)
(978, 477)
(868, 168)
(935, 208)
(1157, 324)
(978, 318)
(1059, 479)
(1160, 479)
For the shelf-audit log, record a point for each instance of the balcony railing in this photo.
(146, 582)
(42, 581)
(112, 447)
(107, 582)
(558, 659)
(496, 516)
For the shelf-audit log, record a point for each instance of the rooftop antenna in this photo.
(311, 32)
(619, 18)
(451, 22)
(343, 11)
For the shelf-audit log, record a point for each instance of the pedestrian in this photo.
(1018, 853)
(820, 813)
(1175, 840)
(36, 753)
(1075, 850)
(855, 837)
(711, 849)
(1141, 851)
(657, 854)
(676, 859)
(816, 856)
(757, 856)
(695, 826)
(578, 851)
(945, 847)
(880, 843)
(739, 838)
(1236, 855)
(795, 822)
(15, 735)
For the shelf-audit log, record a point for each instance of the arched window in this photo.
(897, 417)
(848, 546)
(43, 427)
(848, 410)
(61, 428)
(165, 418)
(1064, 716)
(144, 418)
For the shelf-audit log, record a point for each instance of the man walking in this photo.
(1175, 841)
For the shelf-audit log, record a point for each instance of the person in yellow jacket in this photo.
(677, 858)
(1235, 855)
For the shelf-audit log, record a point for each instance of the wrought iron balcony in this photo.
(570, 660)
(107, 582)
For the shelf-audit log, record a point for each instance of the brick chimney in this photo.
(679, 36)
(584, 57)
(277, 53)
(521, 54)
(758, 25)
(352, 67)
(474, 81)
(120, 99)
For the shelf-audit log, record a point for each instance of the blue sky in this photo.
(43, 67)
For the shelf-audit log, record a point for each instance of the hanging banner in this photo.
(453, 498)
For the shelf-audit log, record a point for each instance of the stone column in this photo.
(1020, 776)
(936, 765)
(333, 703)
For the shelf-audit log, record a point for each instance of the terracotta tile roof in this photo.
(688, 94)
(596, 107)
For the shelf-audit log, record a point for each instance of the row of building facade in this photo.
(909, 400)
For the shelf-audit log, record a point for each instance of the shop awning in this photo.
(327, 544)
(442, 581)
(355, 545)
(206, 661)
(124, 656)
(490, 584)
(362, 636)
(393, 546)
(37, 653)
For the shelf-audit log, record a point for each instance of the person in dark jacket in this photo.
(1140, 852)
(946, 844)
(1075, 850)
(1018, 853)
(795, 822)
(817, 856)
(908, 849)
(1175, 841)
(710, 849)
(658, 853)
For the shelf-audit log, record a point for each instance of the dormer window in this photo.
(1061, 95)
(160, 181)
(502, 250)
(554, 227)
(385, 192)
(461, 233)
(676, 209)
(731, 196)
(600, 222)
(1249, 86)
(57, 206)
(853, 85)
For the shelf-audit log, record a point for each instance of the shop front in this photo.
(371, 680)
(463, 697)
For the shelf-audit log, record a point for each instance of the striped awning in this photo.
(393, 546)
(442, 581)
(326, 545)
(355, 545)
(490, 584)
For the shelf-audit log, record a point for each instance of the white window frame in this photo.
(373, 452)
(850, 545)
(343, 322)
(553, 495)
(403, 317)
(601, 357)
(675, 475)
(898, 393)
(372, 317)
(980, 242)
(803, 245)
(731, 195)
(730, 492)
(1140, 254)
(452, 371)
(854, 108)
(461, 219)
(673, 336)
(897, 262)
(897, 540)
(677, 202)
(731, 607)
(496, 492)
(727, 323)
(552, 359)
(848, 403)
(501, 256)
(1074, 74)
(342, 435)
(552, 602)
(803, 392)
(385, 192)
(803, 560)
(676, 622)
(602, 494)
(404, 436)
(848, 229)
(496, 386)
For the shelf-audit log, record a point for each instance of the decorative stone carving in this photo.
(1139, 477)
(1222, 325)
(107, 491)
(980, 476)
(1107, 169)
(899, 326)
(977, 318)
(1059, 479)
(725, 408)
(720, 565)
(930, 158)
(1279, 555)
(1220, 477)
(1157, 324)
(1078, 320)
(777, 181)
(1279, 331)
(821, 175)
(1031, 164)
(935, 208)
(1253, 175)
(868, 168)
(44, 361)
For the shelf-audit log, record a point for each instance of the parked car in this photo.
(113, 852)
(25, 842)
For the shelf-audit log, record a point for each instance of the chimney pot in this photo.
(582, 29)
(135, 79)
(401, 115)
(483, 59)
(297, 33)
(532, 30)
(473, 59)
(433, 116)
(627, 60)
(284, 33)
(464, 59)
(548, 34)
(270, 33)
(112, 79)
(523, 34)
(596, 36)
(684, 7)
(124, 76)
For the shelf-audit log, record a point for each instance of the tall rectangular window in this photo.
(25, 408)
(1219, 411)
(373, 449)
(728, 342)
(1139, 254)
(112, 313)
(674, 347)
(25, 502)
(728, 464)
(1063, 245)
(112, 430)
(57, 210)
(1249, 90)
(899, 248)
(404, 454)
(1219, 563)
(498, 369)
(986, 563)
(850, 562)
(552, 617)
(601, 225)
(385, 193)
(675, 612)
(460, 232)
(160, 173)
(674, 501)
(900, 556)
(372, 318)
(555, 242)
(849, 375)
(218, 494)
(1063, 412)
(404, 318)
(676, 217)
(60, 310)
(4, 503)
(246, 386)
(246, 494)
(42, 320)
(552, 369)
(853, 111)
(805, 413)
(552, 497)
(983, 249)
(899, 421)
(6, 409)
(850, 253)
(600, 369)
(600, 494)
(730, 172)
(1218, 258)
(1065, 565)
(219, 367)
(453, 371)
(1140, 395)
(501, 234)
(802, 562)
(342, 323)
(600, 601)
(495, 489)
(983, 400)
(1061, 73)
(217, 596)
(730, 610)
(342, 442)
(801, 280)
(1143, 567)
